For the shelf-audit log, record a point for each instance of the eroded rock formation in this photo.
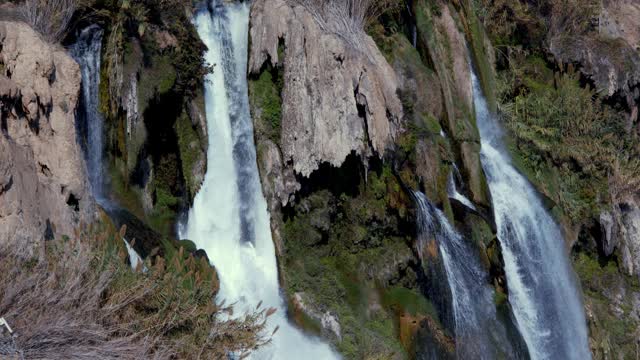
(337, 98)
(44, 192)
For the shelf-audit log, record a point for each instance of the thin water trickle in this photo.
(479, 333)
(86, 52)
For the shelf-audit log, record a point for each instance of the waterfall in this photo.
(86, 52)
(229, 217)
(546, 300)
(479, 333)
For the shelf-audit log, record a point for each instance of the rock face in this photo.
(609, 57)
(43, 184)
(442, 37)
(619, 19)
(337, 97)
(630, 239)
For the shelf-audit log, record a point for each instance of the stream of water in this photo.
(543, 291)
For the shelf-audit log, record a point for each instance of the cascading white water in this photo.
(542, 287)
(229, 218)
(452, 189)
(479, 333)
(86, 52)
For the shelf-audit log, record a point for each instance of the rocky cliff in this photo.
(343, 128)
(43, 183)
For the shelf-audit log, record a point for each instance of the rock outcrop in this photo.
(629, 238)
(43, 184)
(337, 97)
(445, 45)
(609, 54)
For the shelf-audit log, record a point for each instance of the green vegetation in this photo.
(157, 79)
(164, 211)
(266, 103)
(344, 252)
(408, 301)
(563, 131)
(609, 298)
(190, 151)
(82, 298)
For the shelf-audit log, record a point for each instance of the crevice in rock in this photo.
(48, 231)
(7, 186)
(338, 180)
(73, 202)
(44, 169)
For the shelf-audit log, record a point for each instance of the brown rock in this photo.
(42, 172)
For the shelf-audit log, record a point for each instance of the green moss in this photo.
(105, 101)
(481, 53)
(188, 245)
(500, 298)
(157, 79)
(331, 235)
(606, 288)
(127, 196)
(164, 210)
(266, 104)
(190, 151)
(407, 300)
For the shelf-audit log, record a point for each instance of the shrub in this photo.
(51, 18)
(81, 300)
(348, 18)
(561, 126)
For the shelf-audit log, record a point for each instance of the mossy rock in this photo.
(192, 154)
(474, 174)
(266, 103)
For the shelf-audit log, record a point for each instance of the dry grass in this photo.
(51, 18)
(573, 17)
(82, 301)
(347, 18)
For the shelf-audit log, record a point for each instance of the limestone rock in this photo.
(43, 182)
(619, 19)
(610, 63)
(337, 98)
(328, 321)
(278, 182)
(609, 57)
(630, 239)
(609, 228)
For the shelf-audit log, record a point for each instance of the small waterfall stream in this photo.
(542, 287)
(86, 52)
(229, 218)
(479, 333)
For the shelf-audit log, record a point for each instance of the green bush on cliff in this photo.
(190, 151)
(562, 128)
(266, 102)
